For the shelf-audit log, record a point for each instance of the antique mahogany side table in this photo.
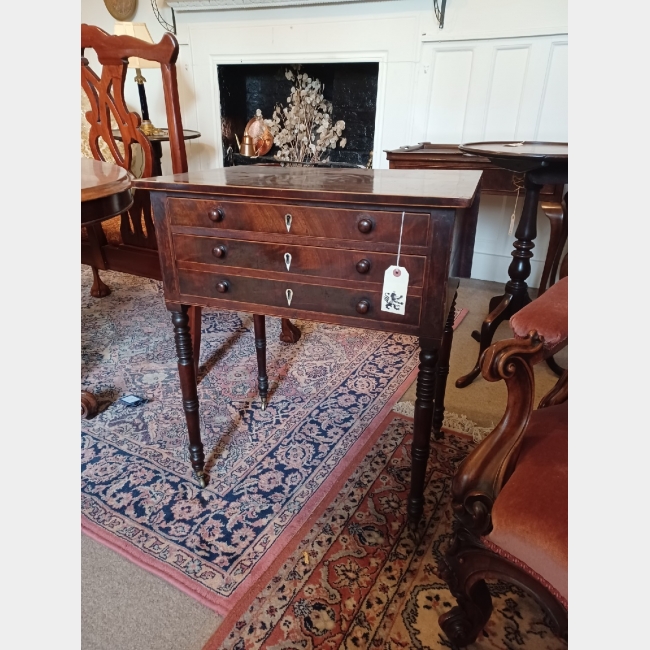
(542, 163)
(314, 244)
(495, 181)
(105, 193)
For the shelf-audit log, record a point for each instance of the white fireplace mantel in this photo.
(216, 5)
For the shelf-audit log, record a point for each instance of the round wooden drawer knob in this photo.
(363, 306)
(216, 215)
(219, 251)
(223, 286)
(363, 266)
(365, 226)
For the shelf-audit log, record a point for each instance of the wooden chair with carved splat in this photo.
(135, 249)
(131, 246)
(510, 494)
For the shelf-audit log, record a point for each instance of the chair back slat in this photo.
(108, 111)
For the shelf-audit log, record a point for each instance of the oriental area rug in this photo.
(360, 579)
(268, 470)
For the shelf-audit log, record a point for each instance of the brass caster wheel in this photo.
(202, 480)
(264, 401)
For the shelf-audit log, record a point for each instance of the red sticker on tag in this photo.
(397, 273)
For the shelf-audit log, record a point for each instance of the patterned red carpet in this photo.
(269, 470)
(360, 579)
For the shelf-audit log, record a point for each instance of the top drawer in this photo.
(335, 223)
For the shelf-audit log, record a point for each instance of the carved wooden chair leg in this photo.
(99, 289)
(259, 325)
(555, 215)
(464, 569)
(194, 314)
(290, 333)
(462, 624)
(97, 239)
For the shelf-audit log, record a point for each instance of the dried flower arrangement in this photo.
(303, 130)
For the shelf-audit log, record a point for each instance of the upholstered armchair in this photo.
(510, 493)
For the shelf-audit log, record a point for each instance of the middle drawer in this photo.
(363, 266)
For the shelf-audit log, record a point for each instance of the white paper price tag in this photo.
(396, 281)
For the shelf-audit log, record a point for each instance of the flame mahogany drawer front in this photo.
(359, 266)
(338, 223)
(316, 298)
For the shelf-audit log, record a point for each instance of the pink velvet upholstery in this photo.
(530, 514)
(548, 314)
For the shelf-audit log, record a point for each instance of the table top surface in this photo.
(162, 135)
(428, 149)
(100, 179)
(518, 149)
(424, 187)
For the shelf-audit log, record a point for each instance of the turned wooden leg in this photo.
(442, 372)
(290, 333)
(423, 418)
(259, 325)
(99, 289)
(88, 405)
(188, 389)
(194, 314)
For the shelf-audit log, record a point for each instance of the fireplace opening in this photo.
(350, 87)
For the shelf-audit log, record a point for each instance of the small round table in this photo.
(105, 193)
(542, 163)
(161, 135)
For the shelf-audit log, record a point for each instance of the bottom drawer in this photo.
(304, 297)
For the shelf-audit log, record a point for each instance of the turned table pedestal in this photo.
(542, 163)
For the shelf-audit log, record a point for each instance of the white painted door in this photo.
(498, 89)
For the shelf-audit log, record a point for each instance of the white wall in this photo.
(497, 70)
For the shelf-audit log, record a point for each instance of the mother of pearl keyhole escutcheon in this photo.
(287, 221)
(289, 294)
(287, 260)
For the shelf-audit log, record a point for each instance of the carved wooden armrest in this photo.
(483, 473)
